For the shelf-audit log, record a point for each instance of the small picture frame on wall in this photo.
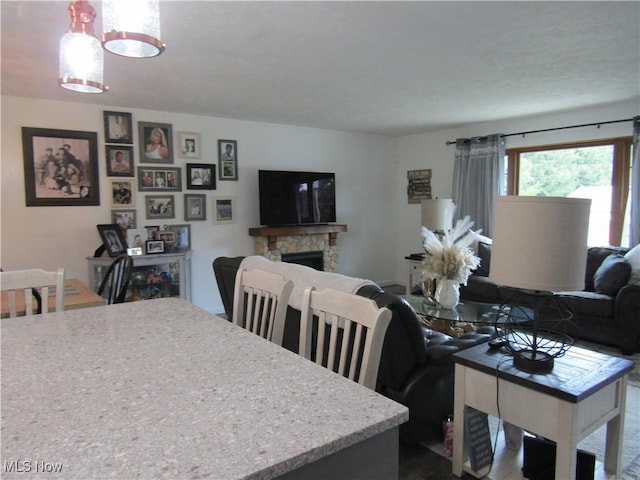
(112, 239)
(118, 127)
(201, 176)
(122, 193)
(228, 159)
(60, 167)
(160, 206)
(154, 247)
(195, 207)
(125, 219)
(156, 142)
(224, 210)
(189, 144)
(119, 161)
(159, 179)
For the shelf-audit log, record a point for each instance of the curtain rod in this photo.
(556, 128)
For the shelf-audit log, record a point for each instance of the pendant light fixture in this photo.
(81, 55)
(132, 28)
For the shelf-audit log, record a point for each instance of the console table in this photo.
(584, 391)
(414, 269)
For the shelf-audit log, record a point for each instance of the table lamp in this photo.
(539, 246)
(437, 215)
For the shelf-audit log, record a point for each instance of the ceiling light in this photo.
(132, 28)
(81, 55)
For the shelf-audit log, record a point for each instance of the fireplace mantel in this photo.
(272, 233)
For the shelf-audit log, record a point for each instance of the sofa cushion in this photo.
(589, 303)
(484, 252)
(612, 275)
(633, 257)
(595, 257)
(480, 289)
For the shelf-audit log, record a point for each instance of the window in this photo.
(598, 169)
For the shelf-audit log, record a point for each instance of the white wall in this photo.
(429, 150)
(49, 237)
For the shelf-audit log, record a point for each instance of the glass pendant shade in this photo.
(132, 27)
(81, 55)
(81, 63)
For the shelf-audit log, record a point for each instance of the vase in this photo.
(447, 293)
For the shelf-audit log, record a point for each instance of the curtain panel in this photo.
(478, 178)
(634, 227)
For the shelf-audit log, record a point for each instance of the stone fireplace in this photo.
(274, 242)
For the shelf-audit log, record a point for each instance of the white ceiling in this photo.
(381, 67)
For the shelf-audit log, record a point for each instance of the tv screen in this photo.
(296, 198)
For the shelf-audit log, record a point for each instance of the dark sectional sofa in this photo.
(608, 315)
(416, 367)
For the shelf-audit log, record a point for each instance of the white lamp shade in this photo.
(540, 243)
(132, 27)
(437, 214)
(81, 63)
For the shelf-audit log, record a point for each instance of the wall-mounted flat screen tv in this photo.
(296, 198)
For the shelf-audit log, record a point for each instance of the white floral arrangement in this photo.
(450, 257)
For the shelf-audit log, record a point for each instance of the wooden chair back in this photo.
(260, 303)
(350, 333)
(116, 280)
(22, 286)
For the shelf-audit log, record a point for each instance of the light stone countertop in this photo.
(163, 389)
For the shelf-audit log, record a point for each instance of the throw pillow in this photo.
(484, 252)
(633, 257)
(612, 275)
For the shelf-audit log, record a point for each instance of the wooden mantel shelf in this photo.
(272, 233)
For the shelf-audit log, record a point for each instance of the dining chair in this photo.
(116, 280)
(23, 286)
(350, 333)
(260, 302)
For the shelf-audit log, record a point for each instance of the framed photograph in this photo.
(160, 206)
(183, 236)
(152, 230)
(60, 167)
(119, 161)
(224, 210)
(122, 193)
(168, 236)
(195, 207)
(156, 142)
(112, 239)
(136, 237)
(189, 144)
(228, 159)
(201, 176)
(118, 127)
(154, 246)
(125, 219)
(159, 179)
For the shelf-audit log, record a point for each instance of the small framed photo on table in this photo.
(112, 239)
(154, 246)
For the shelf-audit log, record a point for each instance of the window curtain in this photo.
(478, 178)
(634, 227)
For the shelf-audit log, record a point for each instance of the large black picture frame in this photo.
(60, 167)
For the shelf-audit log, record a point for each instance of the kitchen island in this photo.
(164, 389)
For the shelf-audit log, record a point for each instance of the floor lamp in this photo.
(539, 247)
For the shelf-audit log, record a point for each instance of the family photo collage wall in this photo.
(62, 169)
